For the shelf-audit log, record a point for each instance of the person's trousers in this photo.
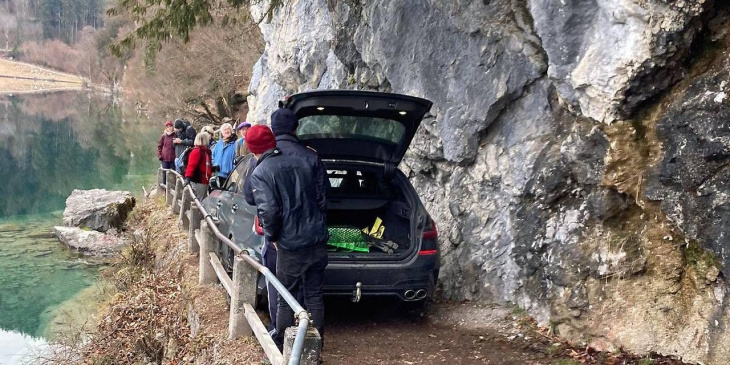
(268, 254)
(301, 269)
(200, 190)
(166, 165)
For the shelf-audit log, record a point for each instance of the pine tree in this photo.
(161, 20)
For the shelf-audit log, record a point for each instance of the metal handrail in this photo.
(299, 311)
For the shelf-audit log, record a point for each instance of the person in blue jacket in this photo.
(224, 151)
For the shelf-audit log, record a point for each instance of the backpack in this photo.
(181, 162)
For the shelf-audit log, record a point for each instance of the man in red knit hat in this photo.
(293, 215)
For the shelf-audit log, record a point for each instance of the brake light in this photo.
(257, 227)
(431, 233)
(427, 252)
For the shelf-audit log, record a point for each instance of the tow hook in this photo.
(357, 293)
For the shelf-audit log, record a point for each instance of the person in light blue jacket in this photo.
(224, 151)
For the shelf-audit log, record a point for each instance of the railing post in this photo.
(160, 174)
(194, 218)
(183, 217)
(175, 207)
(170, 184)
(244, 291)
(207, 245)
(312, 346)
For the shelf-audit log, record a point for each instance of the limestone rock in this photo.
(97, 209)
(539, 202)
(91, 243)
(692, 181)
(610, 56)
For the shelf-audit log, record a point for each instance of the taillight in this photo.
(257, 227)
(431, 233)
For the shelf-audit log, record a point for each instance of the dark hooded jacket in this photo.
(290, 145)
(187, 135)
(284, 124)
(291, 211)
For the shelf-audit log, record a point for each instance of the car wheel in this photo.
(262, 300)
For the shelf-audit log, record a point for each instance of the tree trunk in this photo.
(222, 106)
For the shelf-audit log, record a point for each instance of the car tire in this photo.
(262, 300)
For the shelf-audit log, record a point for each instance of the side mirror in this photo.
(214, 183)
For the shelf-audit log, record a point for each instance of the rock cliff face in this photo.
(575, 159)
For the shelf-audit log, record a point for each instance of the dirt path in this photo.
(376, 332)
(18, 77)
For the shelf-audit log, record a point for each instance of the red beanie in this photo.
(168, 124)
(260, 139)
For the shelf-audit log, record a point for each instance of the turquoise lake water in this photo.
(51, 145)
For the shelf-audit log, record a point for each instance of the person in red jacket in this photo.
(199, 168)
(166, 149)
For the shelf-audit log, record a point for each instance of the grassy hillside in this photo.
(17, 77)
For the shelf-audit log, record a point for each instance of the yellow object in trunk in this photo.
(377, 230)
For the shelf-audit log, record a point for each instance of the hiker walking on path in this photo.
(224, 151)
(185, 136)
(211, 133)
(241, 148)
(166, 149)
(293, 217)
(199, 168)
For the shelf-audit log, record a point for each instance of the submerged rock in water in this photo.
(98, 209)
(88, 242)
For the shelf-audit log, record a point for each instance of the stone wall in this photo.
(575, 158)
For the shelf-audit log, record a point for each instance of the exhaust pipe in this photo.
(410, 294)
(421, 293)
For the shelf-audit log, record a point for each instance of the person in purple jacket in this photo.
(166, 149)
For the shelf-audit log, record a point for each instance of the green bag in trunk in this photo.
(347, 239)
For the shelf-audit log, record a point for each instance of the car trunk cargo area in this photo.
(368, 216)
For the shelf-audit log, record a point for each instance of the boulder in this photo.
(91, 243)
(97, 209)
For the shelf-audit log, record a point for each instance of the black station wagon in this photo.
(382, 240)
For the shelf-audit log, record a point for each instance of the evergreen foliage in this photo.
(62, 19)
(161, 20)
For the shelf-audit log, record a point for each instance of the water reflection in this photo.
(51, 145)
(16, 347)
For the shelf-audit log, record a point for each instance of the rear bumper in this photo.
(384, 279)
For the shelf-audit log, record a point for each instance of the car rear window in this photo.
(357, 183)
(350, 127)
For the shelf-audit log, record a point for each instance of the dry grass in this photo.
(158, 299)
(18, 77)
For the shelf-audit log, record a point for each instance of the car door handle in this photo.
(234, 208)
